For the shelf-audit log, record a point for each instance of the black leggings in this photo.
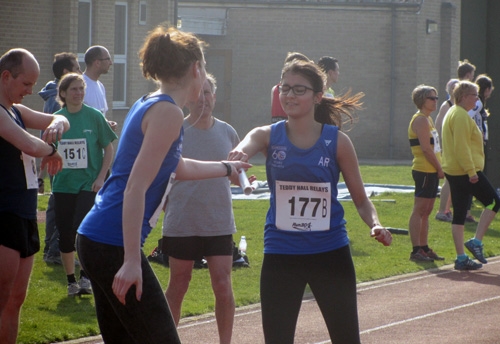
(70, 210)
(147, 321)
(461, 189)
(332, 280)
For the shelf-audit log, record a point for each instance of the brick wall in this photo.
(258, 40)
(46, 27)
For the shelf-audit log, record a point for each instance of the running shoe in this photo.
(53, 260)
(433, 255)
(470, 219)
(73, 289)
(420, 256)
(467, 264)
(476, 250)
(85, 286)
(446, 217)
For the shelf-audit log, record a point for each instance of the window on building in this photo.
(142, 13)
(120, 56)
(84, 27)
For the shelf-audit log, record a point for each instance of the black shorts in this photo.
(19, 234)
(426, 184)
(196, 247)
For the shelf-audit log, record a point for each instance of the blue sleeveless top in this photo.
(318, 164)
(104, 221)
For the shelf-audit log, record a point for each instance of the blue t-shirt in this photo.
(104, 221)
(311, 174)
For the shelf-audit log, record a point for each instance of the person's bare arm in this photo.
(348, 163)
(161, 127)
(440, 117)
(21, 139)
(254, 142)
(53, 125)
(109, 151)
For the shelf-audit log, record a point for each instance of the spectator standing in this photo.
(84, 171)
(426, 171)
(305, 238)
(130, 303)
(444, 212)
(330, 67)
(98, 62)
(194, 225)
(277, 112)
(465, 70)
(19, 238)
(63, 63)
(463, 163)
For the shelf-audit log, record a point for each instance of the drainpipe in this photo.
(392, 100)
(176, 13)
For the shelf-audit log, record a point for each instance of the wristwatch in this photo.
(54, 148)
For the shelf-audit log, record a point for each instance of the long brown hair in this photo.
(336, 111)
(168, 53)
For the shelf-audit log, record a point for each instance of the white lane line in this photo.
(430, 315)
(196, 323)
(382, 284)
(201, 322)
(387, 284)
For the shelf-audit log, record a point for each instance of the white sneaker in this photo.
(85, 286)
(73, 289)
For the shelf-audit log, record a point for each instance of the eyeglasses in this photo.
(106, 59)
(433, 98)
(298, 90)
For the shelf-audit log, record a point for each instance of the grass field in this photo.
(48, 315)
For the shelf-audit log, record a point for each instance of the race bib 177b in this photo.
(303, 206)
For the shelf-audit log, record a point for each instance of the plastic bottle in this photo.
(242, 246)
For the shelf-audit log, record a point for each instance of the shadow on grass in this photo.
(78, 308)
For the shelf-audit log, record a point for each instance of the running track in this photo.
(434, 306)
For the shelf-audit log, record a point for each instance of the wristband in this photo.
(229, 169)
(54, 148)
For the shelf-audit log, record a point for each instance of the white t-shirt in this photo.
(95, 95)
(475, 114)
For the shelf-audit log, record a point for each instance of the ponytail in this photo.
(339, 110)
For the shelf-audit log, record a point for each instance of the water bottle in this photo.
(243, 246)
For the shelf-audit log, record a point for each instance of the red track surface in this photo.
(436, 306)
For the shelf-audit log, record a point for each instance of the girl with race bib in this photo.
(305, 238)
(84, 170)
